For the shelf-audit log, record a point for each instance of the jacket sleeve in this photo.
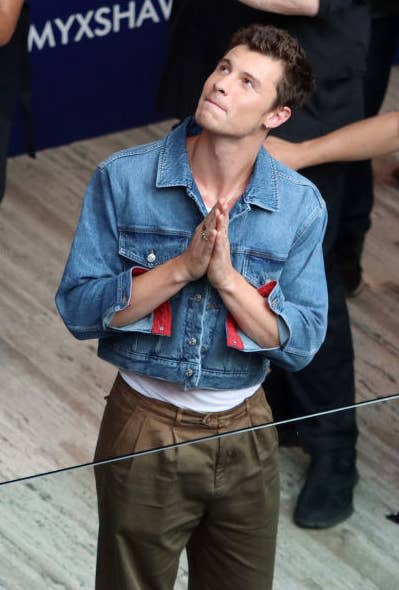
(299, 299)
(95, 284)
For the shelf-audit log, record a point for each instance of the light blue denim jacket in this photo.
(140, 210)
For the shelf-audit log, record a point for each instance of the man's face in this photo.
(237, 98)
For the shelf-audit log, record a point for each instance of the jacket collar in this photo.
(174, 168)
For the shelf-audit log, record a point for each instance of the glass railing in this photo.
(49, 522)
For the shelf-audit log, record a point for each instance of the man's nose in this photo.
(222, 85)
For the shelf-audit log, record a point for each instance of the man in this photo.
(334, 35)
(197, 260)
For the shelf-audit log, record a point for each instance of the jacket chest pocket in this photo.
(259, 268)
(149, 247)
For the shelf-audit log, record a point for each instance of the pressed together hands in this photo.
(207, 254)
(209, 250)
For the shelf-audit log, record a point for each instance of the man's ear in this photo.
(277, 117)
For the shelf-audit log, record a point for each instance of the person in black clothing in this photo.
(335, 38)
(14, 75)
(359, 198)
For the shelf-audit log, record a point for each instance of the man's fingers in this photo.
(222, 223)
(210, 218)
(203, 240)
(221, 243)
(222, 205)
(217, 219)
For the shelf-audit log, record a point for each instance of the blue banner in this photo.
(95, 68)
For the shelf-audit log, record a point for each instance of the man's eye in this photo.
(223, 68)
(248, 82)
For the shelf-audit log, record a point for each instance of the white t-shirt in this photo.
(198, 400)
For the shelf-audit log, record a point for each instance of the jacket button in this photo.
(188, 372)
(197, 297)
(192, 341)
(151, 257)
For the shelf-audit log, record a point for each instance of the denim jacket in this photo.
(141, 209)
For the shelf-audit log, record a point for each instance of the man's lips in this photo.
(215, 104)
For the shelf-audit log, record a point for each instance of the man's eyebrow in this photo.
(227, 61)
(255, 80)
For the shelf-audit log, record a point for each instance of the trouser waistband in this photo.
(169, 412)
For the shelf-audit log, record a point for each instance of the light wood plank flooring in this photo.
(52, 388)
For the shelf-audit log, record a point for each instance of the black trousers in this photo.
(328, 381)
(7, 101)
(4, 135)
(359, 196)
(14, 82)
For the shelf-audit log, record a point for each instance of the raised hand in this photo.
(220, 268)
(196, 258)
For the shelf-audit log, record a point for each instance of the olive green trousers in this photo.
(217, 498)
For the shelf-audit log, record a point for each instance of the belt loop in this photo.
(179, 415)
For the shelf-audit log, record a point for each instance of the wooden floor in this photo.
(48, 525)
(52, 388)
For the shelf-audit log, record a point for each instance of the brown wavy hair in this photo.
(297, 82)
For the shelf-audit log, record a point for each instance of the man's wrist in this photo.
(305, 152)
(181, 272)
(228, 284)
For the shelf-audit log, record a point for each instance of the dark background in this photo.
(97, 85)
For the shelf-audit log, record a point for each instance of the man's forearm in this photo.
(9, 15)
(154, 287)
(251, 311)
(362, 140)
(358, 141)
(288, 7)
(151, 289)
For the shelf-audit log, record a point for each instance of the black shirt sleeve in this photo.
(328, 7)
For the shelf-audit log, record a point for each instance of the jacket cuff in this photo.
(158, 323)
(236, 338)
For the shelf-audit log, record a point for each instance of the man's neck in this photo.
(221, 166)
